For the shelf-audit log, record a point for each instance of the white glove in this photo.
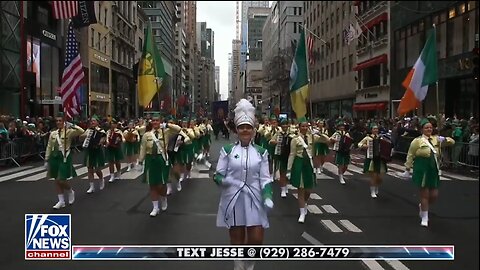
(441, 139)
(68, 125)
(315, 132)
(288, 175)
(163, 125)
(404, 175)
(45, 164)
(268, 203)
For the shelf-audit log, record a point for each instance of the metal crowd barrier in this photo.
(19, 149)
(460, 154)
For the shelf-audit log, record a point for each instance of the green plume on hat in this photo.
(60, 114)
(340, 122)
(424, 121)
(302, 120)
(95, 117)
(273, 117)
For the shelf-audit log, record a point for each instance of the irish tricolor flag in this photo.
(423, 73)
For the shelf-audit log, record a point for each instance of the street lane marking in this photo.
(329, 209)
(397, 265)
(311, 239)
(372, 265)
(331, 226)
(459, 177)
(314, 196)
(132, 174)
(195, 175)
(333, 168)
(349, 226)
(22, 173)
(396, 166)
(314, 209)
(355, 168)
(14, 170)
(323, 177)
(295, 195)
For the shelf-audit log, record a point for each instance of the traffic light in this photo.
(475, 63)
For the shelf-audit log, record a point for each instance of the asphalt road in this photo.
(339, 215)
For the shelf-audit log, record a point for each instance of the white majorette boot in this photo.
(179, 186)
(373, 194)
(60, 203)
(342, 181)
(91, 189)
(129, 167)
(102, 184)
(155, 210)
(284, 192)
(112, 178)
(71, 197)
(376, 190)
(164, 203)
(169, 189)
(424, 215)
(117, 175)
(301, 219)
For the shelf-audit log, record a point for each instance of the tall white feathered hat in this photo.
(244, 113)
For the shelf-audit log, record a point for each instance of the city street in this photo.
(339, 215)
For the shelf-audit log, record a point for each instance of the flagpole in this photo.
(308, 71)
(436, 83)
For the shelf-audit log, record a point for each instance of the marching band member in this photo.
(114, 152)
(423, 156)
(243, 176)
(300, 165)
(374, 164)
(342, 144)
(198, 137)
(174, 150)
(153, 151)
(141, 128)
(281, 142)
(207, 138)
(58, 159)
(186, 151)
(272, 132)
(94, 156)
(132, 138)
(321, 147)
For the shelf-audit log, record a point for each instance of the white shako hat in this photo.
(244, 113)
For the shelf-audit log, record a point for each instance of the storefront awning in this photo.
(371, 62)
(378, 106)
(380, 18)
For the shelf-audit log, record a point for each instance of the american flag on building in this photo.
(72, 77)
(64, 9)
(310, 42)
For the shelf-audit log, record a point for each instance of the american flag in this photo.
(72, 77)
(64, 9)
(310, 40)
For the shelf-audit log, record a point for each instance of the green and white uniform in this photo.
(60, 166)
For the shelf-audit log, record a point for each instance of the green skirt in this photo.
(374, 166)
(156, 171)
(59, 170)
(131, 148)
(206, 140)
(281, 163)
(186, 153)
(264, 142)
(321, 149)
(425, 172)
(114, 154)
(302, 175)
(94, 158)
(271, 150)
(342, 159)
(196, 146)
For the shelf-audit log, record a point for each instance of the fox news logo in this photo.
(47, 237)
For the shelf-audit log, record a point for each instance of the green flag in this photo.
(299, 79)
(151, 72)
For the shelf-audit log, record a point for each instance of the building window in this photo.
(326, 72)
(314, 14)
(300, 11)
(318, 75)
(344, 64)
(114, 50)
(105, 44)
(338, 68)
(140, 44)
(322, 75)
(350, 62)
(326, 25)
(295, 11)
(92, 37)
(338, 15)
(338, 41)
(321, 28)
(344, 12)
(451, 13)
(99, 40)
(331, 21)
(331, 45)
(105, 18)
(294, 27)
(332, 70)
